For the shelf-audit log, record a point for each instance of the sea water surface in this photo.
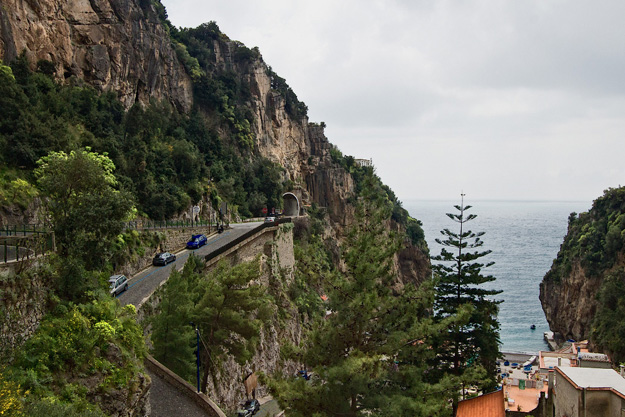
(524, 237)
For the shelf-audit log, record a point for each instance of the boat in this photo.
(533, 327)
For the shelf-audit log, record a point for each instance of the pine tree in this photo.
(368, 355)
(172, 335)
(473, 341)
(227, 304)
(231, 306)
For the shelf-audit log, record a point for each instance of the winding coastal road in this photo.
(165, 400)
(143, 284)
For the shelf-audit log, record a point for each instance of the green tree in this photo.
(474, 341)
(85, 208)
(231, 307)
(227, 304)
(172, 335)
(369, 354)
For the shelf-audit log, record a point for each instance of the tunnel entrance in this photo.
(291, 205)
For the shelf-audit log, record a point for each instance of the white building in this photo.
(588, 392)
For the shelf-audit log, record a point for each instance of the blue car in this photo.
(196, 242)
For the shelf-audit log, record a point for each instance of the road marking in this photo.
(177, 258)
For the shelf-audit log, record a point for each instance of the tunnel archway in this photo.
(291, 205)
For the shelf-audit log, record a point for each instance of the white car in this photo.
(270, 219)
(118, 284)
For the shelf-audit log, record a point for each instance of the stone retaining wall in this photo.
(23, 303)
(174, 241)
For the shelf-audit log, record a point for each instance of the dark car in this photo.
(250, 408)
(118, 284)
(163, 258)
(196, 241)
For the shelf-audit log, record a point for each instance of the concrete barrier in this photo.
(183, 387)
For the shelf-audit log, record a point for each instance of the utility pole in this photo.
(197, 355)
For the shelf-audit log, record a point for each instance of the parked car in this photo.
(196, 242)
(250, 408)
(270, 219)
(118, 284)
(163, 258)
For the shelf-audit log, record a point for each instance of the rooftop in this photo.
(594, 357)
(549, 360)
(487, 405)
(594, 378)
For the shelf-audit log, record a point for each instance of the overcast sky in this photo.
(502, 99)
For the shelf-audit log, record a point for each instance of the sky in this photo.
(499, 99)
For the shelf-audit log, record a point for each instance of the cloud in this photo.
(524, 97)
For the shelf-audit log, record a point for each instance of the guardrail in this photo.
(245, 236)
(25, 247)
(167, 224)
(22, 229)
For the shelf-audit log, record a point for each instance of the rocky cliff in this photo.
(302, 149)
(114, 45)
(569, 303)
(122, 46)
(125, 46)
(574, 295)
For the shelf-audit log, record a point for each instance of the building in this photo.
(573, 355)
(593, 360)
(364, 162)
(487, 405)
(588, 392)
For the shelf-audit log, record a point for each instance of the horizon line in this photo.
(500, 200)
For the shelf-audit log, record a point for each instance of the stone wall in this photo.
(171, 240)
(212, 410)
(23, 303)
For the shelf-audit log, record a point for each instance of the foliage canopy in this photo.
(459, 288)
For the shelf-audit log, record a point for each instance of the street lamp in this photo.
(197, 354)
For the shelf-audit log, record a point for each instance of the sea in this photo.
(524, 237)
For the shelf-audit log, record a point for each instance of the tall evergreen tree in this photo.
(229, 307)
(368, 355)
(474, 341)
(172, 336)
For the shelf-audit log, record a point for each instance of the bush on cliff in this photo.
(80, 353)
(164, 158)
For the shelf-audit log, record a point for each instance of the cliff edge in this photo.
(580, 293)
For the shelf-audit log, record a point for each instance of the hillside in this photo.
(187, 115)
(583, 292)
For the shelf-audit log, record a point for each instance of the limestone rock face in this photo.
(304, 151)
(570, 303)
(114, 45)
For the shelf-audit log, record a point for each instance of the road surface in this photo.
(142, 285)
(166, 401)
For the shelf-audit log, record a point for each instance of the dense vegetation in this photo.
(165, 159)
(370, 345)
(596, 240)
(227, 305)
(88, 347)
(399, 214)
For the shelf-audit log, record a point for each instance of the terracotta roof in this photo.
(487, 405)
